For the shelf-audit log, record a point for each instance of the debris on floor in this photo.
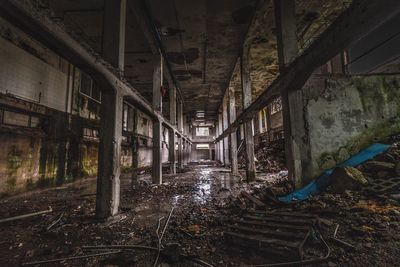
(217, 220)
(270, 157)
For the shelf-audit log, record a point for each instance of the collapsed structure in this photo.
(135, 109)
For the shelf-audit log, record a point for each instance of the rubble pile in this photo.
(270, 157)
(209, 216)
(358, 216)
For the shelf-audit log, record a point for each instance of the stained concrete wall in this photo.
(37, 82)
(346, 114)
(19, 161)
(200, 154)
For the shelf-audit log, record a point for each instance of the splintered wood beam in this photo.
(359, 19)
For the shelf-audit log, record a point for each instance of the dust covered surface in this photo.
(206, 199)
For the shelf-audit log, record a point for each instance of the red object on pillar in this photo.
(163, 90)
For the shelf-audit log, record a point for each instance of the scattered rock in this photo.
(347, 178)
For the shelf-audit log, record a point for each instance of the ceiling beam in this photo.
(51, 34)
(146, 23)
(359, 19)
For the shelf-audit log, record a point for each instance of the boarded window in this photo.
(19, 119)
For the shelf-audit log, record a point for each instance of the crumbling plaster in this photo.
(345, 114)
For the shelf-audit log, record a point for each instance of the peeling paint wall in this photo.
(346, 114)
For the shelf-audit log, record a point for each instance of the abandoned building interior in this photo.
(199, 133)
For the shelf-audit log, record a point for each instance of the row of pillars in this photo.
(227, 148)
(285, 17)
(108, 182)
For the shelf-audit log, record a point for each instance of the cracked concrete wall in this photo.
(345, 114)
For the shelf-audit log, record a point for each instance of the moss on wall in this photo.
(89, 154)
(380, 98)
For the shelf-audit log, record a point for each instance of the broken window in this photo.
(90, 133)
(276, 106)
(89, 88)
(202, 131)
(127, 119)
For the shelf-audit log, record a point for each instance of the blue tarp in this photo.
(323, 181)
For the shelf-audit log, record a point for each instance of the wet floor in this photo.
(199, 196)
(198, 185)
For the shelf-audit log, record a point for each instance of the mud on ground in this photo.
(203, 199)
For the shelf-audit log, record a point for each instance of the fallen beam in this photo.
(15, 218)
(360, 18)
(70, 258)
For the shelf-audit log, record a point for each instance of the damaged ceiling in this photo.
(202, 40)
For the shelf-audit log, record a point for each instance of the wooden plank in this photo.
(281, 220)
(272, 225)
(253, 199)
(277, 234)
(261, 241)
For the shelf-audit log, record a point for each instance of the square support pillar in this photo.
(225, 121)
(135, 149)
(296, 146)
(217, 143)
(172, 105)
(221, 142)
(157, 82)
(233, 136)
(184, 152)
(114, 28)
(157, 156)
(180, 153)
(248, 125)
(171, 151)
(108, 183)
(190, 152)
(180, 117)
(113, 51)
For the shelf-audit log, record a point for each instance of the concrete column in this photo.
(157, 145)
(217, 143)
(114, 32)
(285, 17)
(225, 122)
(157, 125)
(233, 136)
(108, 184)
(171, 151)
(190, 153)
(172, 105)
(221, 142)
(248, 125)
(180, 153)
(184, 153)
(135, 149)
(180, 117)
(157, 82)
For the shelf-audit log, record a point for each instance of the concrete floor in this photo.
(197, 196)
(202, 198)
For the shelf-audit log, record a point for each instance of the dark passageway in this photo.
(199, 133)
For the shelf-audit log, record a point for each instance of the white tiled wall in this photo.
(28, 77)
